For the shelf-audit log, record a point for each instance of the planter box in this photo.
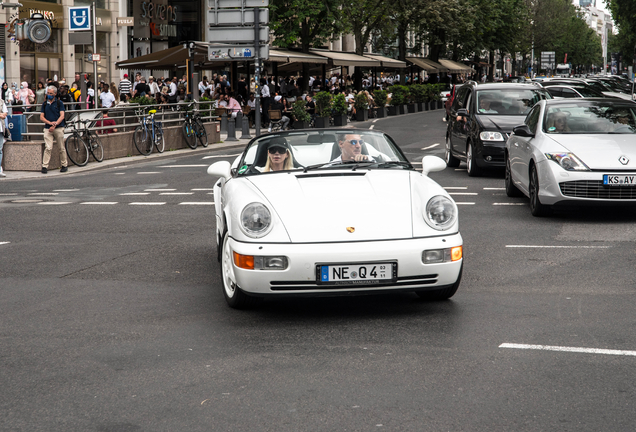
(300, 125)
(380, 112)
(411, 108)
(362, 115)
(402, 109)
(420, 106)
(440, 104)
(340, 120)
(432, 105)
(393, 110)
(321, 122)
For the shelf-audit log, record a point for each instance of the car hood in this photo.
(325, 206)
(500, 123)
(601, 151)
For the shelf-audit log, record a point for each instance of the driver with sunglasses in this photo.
(351, 149)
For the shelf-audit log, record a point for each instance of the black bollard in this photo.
(231, 130)
(245, 132)
(224, 122)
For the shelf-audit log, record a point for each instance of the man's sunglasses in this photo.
(356, 142)
(279, 150)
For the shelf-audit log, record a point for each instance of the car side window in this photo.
(467, 101)
(533, 119)
(554, 91)
(459, 99)
(569, 93)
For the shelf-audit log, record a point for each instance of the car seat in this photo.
(261, 154)
(335, 150)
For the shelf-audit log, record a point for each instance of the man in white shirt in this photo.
(172, 94)
(107, 97)
(154, 87)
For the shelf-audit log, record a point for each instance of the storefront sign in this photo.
(50, 11)
(125, 21)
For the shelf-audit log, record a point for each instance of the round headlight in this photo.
(256, 220)
(441, 213)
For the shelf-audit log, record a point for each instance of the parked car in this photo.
(573, 91)
(574, 151)
(329, 225)
(481, 119)
(593, 84)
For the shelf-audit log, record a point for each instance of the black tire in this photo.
(511, 189)
(234, 295)
(189, 134)
(142, 140)
(202, 134)
(471, 161)
(96, 148)
(536, 208)
(451, 160)
(441, 294)
(160, 143)
(77, 150)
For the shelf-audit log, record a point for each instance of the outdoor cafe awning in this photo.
(166, 59)
(286, 56)
(454, 67)
(387, 62)
(428, 65)
(338, 58)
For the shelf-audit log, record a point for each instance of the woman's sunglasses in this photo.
(279, 150)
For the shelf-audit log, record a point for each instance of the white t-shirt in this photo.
(107, 99)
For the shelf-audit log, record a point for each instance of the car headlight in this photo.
(441, 212)
(567, 161)
(491, 136)
(256, 220)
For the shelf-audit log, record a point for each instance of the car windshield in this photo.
(590, 118)
(509, 101)
(324, 149)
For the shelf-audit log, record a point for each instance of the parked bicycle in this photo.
(81, 142)
(193, 129)
(148, 133)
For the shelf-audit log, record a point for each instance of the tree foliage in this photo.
(624, 15)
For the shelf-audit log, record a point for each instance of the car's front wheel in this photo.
(471, 161)
(451, 160)
(536, 208)
(441, 294)
(511, 189)
(234, 296)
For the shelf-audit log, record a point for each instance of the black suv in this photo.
(481, 119)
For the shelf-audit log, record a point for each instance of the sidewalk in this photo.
(124, 162)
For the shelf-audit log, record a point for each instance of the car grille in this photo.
(595, 189)
(405, 281)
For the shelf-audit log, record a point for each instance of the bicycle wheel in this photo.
(202, 135)
(160, 144)
(96, 148)
(142, 140)
(77, 150)
(189, 134)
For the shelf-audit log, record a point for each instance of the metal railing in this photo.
(125, 115)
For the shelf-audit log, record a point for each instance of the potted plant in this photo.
(379, 97)
(405, 98)
(410, 105)
(361, 104)
(301, 116)
(418, 94)
(323, 109)
(431, 95)
(438, 92)
(339, 108)
(396, 100)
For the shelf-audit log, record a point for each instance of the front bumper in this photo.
(300, 277)
(491, 154)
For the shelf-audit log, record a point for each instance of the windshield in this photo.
(509, 101)
(325, 149)
(590, 118)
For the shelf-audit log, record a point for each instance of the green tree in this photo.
(624, 15)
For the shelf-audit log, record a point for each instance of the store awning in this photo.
(338, 58)
(286, 56)
(166, 59)
(428, 65)
(454, 67)
(387, 62)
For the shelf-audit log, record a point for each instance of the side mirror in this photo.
(220, 169)
(523, 131)
(462, 112)
(432, 164)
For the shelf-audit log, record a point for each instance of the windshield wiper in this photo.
(320, 165)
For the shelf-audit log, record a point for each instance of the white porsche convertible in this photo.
(333, 212)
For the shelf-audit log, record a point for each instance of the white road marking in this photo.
(55, 203)
(569, 349)
(8, 194)
(376, 120)
(371, 127)
(147, 203)
(494, 188)
(196, 203)
(176, 193)
(455, 187)
(558, 247)
(416, 163)
(202, 189)
(460, 169)
(65, 190)
(508, 204)
(463, 193)
(149, 172)
(135, 193)
(183, 166)
(3, 243)
(210, 193)
(119, 173)
(464, 203)
(100, 202)
(430, 147)
(219, 156)
(44, 193)
(159, 190)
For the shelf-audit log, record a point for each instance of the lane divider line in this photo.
(569, 349)
(196, 203)
(463, 193)
(4, 243)
(147, 203)
(159, 190)
(464, 203)
(494, 188)
(55, 203)
(149, 172)
(430, 147)
(508, 204)
(455, 187)
(99, 202)
(183, 166)
(556, 247)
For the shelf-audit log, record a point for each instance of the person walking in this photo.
(52, 115)
(125, 87)
(3, 116)
(107, 98)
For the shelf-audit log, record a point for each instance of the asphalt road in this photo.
(112, 316)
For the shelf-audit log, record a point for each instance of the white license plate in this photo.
(619, 180)
(356, 273)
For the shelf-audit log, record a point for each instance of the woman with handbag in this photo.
(25, 94)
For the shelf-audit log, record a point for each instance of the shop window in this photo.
(100, 4)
